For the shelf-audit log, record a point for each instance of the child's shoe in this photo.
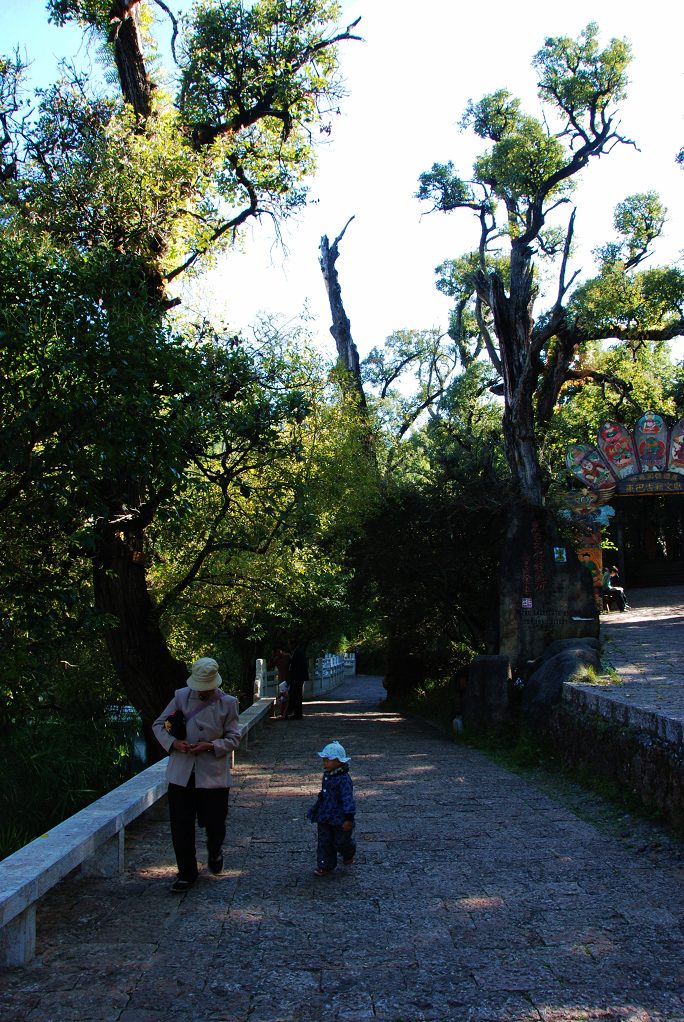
(348, 862)
(322, 872)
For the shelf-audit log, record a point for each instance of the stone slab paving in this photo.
(645, 646)
(476, 896)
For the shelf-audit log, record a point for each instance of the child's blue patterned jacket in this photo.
(335, 802)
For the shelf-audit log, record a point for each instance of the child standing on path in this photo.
(334, 811)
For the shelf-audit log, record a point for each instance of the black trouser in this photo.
(294, 706)
(209, 806)
(333, 841)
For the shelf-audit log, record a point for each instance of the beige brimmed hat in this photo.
(204, 675)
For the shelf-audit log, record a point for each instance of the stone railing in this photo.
(328, 672)
(92, 839)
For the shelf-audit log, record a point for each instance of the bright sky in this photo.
(408, 85)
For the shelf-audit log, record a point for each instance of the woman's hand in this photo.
(181, 745)
(202, 747)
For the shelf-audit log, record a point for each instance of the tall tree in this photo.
(518, 190)
(108, 201)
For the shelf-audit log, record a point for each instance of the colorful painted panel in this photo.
(588, 504)
(588, 466)
(616, 446)
(650, 440)
(676, 459)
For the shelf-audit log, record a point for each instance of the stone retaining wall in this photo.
(646, 765)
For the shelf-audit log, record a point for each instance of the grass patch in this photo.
(435, 701)
(52, 768)
(608, 677)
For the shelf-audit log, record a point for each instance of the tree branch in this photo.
(237, 221)
(174, 22)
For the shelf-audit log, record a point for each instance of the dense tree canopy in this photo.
(120, 422)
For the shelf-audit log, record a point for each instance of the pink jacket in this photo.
(217, 722)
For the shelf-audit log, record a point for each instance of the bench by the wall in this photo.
(92, 839)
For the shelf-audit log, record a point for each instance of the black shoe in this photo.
(216, 864)
(181, 886)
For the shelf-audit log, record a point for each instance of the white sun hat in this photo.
(204, 675)
(333, 750)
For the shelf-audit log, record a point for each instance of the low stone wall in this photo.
(646, 765)
(594, 727)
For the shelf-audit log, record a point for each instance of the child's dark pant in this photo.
(333, 841)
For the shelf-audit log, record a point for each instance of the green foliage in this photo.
(242, 62)
(163, 486)
(638, 221)
(87, 12)
(254, 83)
(619, 384)
(581, 80)
(444, 189)
(437, 700)
(428, 557)
(99, 418)
(418, 356)
(53, 767)
(616, 302)
(259, 548)
(494, 116)
(520, 165)
(126, 432)
(529, 164)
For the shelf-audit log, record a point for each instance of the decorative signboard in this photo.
(649, 460)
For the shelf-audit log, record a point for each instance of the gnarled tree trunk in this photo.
(128, 56)
(148, 672)
(513, 326)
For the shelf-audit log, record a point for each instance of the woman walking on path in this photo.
(199, 728)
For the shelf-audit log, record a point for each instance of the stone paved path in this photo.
(645, 645)
(477, 896)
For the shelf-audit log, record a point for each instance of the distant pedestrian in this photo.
(199, 729)
(334, 811)
(299, 674)
(283, 698)
(280, 659)
(612, 588)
